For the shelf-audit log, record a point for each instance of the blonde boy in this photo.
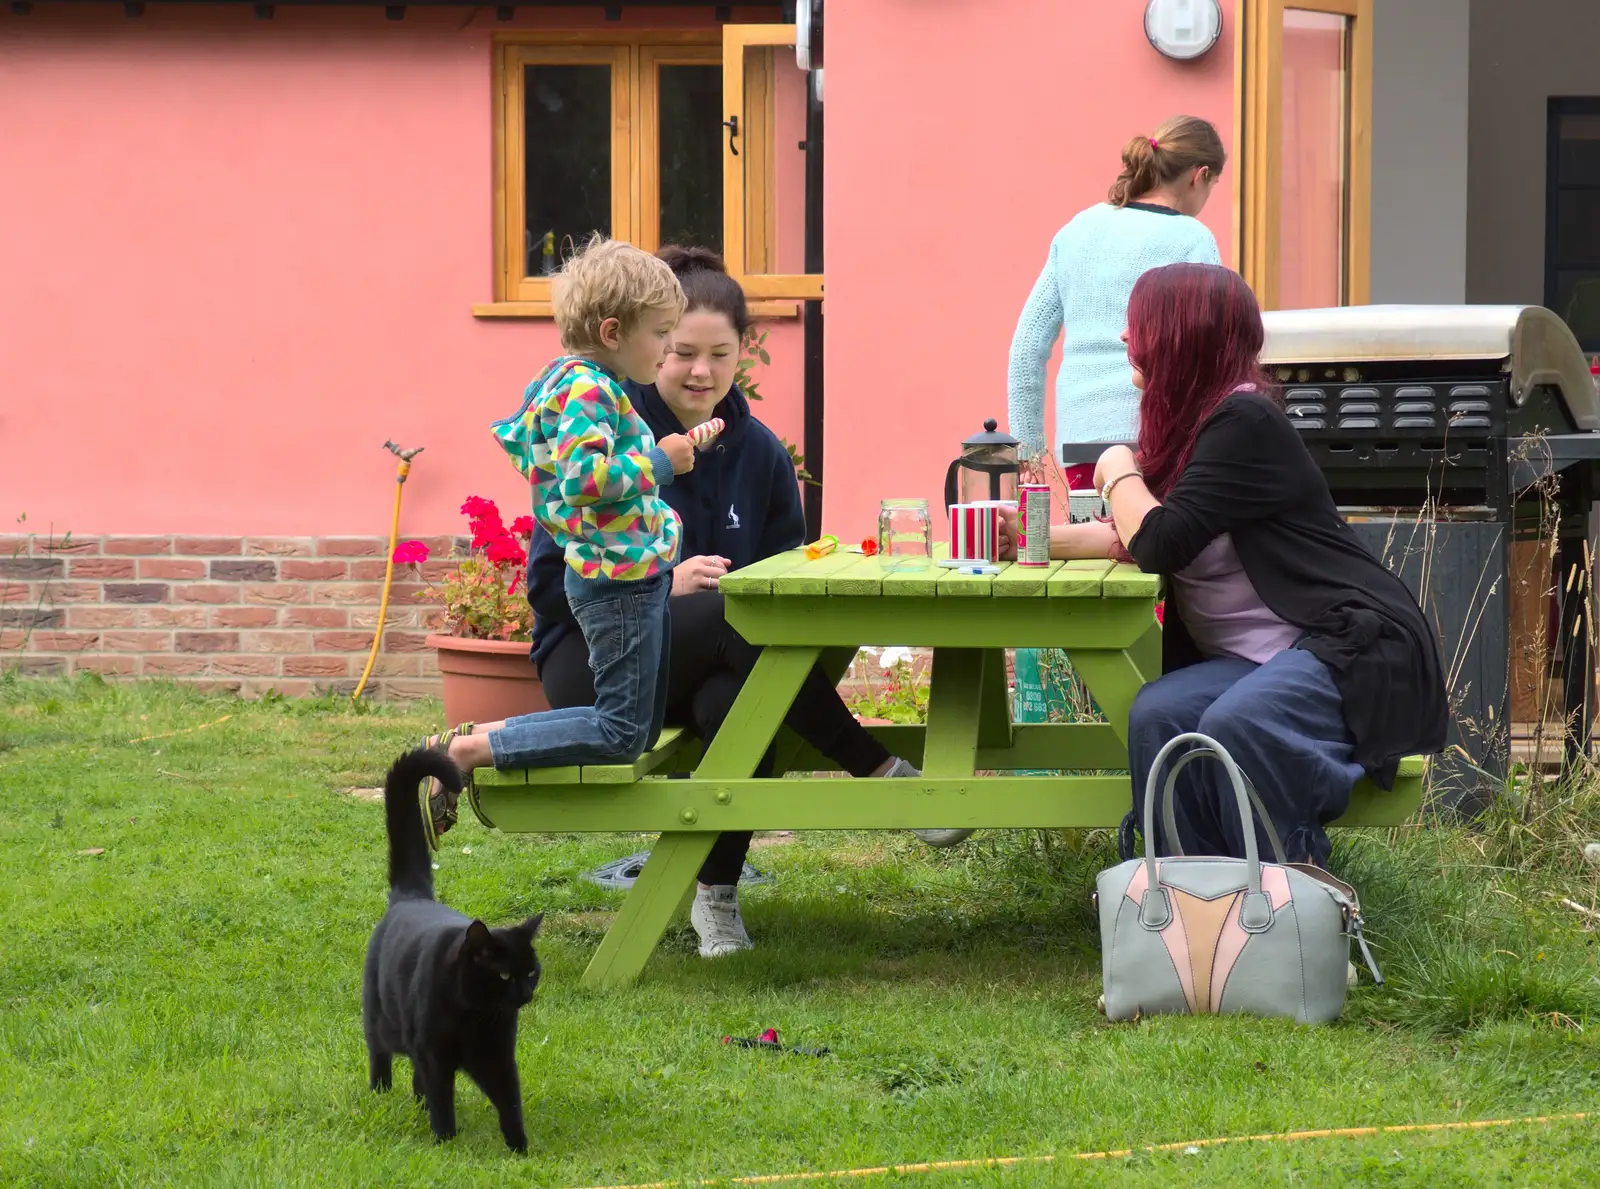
(596, 471)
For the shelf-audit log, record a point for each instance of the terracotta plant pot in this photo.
(487, 680)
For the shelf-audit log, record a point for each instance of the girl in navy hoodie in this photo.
(741, 503)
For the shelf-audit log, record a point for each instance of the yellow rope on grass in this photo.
(1010, 1161)
(183, 731)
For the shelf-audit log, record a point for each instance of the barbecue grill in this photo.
(1445, 432)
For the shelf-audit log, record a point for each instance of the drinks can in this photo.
(1033, 525)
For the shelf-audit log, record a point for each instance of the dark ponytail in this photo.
(707, 285)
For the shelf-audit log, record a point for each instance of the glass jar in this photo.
(905, 534)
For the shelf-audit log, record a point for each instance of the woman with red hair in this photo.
(1284, 639)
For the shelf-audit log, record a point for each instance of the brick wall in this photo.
(247, 614)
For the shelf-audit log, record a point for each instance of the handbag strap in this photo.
(1155, 909)
(1169, 821)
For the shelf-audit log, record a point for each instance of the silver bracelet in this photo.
(1105, 493)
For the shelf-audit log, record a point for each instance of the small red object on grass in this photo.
(769, 1040)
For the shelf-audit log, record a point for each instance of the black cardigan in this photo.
(1252, 477)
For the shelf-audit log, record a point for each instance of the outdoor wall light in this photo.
(1183, 29)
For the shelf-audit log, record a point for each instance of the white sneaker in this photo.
(931, 837)
(715, 917)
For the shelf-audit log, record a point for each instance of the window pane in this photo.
(1578, 303)
(1578, 229)
(1580, 150)
(690, 102)
(567, 138)
(1314, 196)
(775, 167)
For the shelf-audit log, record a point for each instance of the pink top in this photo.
(1224, 614)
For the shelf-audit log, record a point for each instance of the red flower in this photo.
(478, 508)
(486, 532)
(504, 550)
(1161, 609)
(522, 526)
(409, 553)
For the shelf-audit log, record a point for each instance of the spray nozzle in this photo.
(402, 455)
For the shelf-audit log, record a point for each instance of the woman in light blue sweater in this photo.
(1094, 261)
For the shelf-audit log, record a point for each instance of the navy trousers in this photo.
(1283, 724)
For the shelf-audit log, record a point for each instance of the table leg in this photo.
(994, 714)
(955, 712)
(1115, 678)
(668, 877)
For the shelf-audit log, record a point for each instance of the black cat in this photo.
(440, 987)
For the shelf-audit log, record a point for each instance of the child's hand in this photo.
(698, 573)
(680, 452)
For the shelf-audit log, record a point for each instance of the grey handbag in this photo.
(1197, 935)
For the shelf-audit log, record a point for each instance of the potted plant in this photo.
(485, 623)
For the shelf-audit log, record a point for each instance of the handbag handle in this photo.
(1155, 907)
(1169, 823)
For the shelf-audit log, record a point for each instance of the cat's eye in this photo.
(505, 975)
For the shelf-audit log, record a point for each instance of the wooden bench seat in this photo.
(635, 797)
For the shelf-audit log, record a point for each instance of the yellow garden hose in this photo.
(405, 457)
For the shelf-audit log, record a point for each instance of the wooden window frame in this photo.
(634, 56)
(1258, 131)
(742, 92)
(511, 190)
(647, 156)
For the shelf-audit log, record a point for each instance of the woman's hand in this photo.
(698, 573)
(1117, 460)
(1096, 539)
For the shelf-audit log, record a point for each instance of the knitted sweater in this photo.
(1087, 279)
(595, 470)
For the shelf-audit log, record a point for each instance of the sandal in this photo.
(477, 808)
(438, 804)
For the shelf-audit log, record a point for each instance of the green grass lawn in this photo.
(184, 1008)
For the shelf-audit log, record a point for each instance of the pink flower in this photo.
(478, 508)
(410, 553)
(522, 526)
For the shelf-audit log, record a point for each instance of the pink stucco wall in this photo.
(960, 136)
(239, 254)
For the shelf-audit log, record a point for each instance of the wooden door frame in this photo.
(1258, 115)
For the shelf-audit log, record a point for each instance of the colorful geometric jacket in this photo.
(594, 467)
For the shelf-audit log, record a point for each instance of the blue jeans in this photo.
(625, 626)
(1283, 723)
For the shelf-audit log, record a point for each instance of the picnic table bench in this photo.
(803, 612)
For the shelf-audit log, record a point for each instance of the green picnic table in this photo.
(803, 612)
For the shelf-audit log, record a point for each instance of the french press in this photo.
(987, 469)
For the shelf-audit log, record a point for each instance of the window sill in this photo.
(543, 309)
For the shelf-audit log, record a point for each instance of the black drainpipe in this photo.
(812, 440)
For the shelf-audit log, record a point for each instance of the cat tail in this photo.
(410, 864)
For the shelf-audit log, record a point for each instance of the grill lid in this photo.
(1538, 347)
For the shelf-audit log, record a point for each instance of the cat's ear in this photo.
(478, 939)
(531, 925)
